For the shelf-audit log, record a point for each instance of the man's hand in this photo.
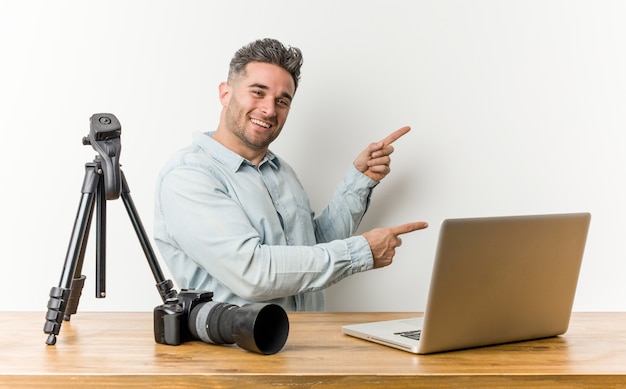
(374, 160)
(384, 241)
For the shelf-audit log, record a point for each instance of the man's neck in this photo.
(231, 142)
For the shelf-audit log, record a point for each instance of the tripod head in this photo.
(104, 137)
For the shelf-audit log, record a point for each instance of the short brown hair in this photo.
(268, 51)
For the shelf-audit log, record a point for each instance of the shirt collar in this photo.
(228, 157)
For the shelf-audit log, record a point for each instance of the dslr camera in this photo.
(193, 315)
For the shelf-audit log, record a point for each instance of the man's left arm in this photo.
(341, 218)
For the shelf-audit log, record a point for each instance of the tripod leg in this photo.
(101, 241)
(70, 285)
(164, 286)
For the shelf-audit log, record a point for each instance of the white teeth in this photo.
(260, 123)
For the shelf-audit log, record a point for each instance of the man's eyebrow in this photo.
(260, 86)
(265, 87)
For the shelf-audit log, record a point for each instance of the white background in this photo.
(516, 107)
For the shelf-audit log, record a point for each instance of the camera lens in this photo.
(261, 328)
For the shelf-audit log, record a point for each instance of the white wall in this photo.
(516, 107)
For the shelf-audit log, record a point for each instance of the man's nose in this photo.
(268, 107)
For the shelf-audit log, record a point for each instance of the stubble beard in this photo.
(239, 123)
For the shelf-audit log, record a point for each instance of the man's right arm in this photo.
(197, 218)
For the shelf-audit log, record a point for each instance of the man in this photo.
(231, 217)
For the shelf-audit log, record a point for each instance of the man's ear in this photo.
(225, 92)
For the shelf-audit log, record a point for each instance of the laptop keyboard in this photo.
(415, 334)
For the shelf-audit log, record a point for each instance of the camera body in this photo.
(171, 324)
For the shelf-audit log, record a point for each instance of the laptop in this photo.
(495, 280)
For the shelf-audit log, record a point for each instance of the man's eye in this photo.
(283, 102)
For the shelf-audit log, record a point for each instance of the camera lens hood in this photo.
(262, 328)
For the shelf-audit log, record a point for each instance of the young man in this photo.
(231, 217)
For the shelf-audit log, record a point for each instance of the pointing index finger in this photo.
(408, 227)
(395, 135)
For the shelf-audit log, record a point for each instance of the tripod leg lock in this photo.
(56, 309)
(74, 297)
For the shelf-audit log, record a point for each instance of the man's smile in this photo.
(261, 123)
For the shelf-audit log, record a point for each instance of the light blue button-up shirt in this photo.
(248, 233)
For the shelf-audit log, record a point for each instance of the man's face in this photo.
(256, 105)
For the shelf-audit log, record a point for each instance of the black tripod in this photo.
(103, 181)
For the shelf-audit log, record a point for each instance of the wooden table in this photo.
(118, 350)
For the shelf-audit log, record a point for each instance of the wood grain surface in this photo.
(98, 349)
